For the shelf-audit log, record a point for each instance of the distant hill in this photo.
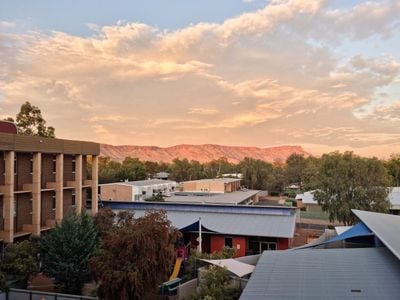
(201, 153)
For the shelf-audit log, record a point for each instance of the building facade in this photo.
(249, 229)
(136, 190)
(41, 180)
(215, 185)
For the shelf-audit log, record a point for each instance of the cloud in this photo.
(277, 75)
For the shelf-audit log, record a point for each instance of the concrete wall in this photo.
(187, 289)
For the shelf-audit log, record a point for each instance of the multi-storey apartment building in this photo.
(41, 180)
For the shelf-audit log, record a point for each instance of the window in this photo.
(15, 165)
(54, 165)
(30, 206)
(228, 242)
(73, 198)
(73, 165)
(15, 207)
(31, 165)
(53, 201)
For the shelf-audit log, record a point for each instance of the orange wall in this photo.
(239, 243)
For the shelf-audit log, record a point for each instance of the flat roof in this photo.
(24, 143)
(223, 180)
(147, 182)
(386, 227)
(247, 220)
(356, 273)
(235, 197)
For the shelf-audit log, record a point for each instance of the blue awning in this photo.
(358, 230)
(194, 228)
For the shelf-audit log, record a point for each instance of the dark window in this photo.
(53, 198)
(73, 198)
(15, 165)
(31, 165)
(228, 242)
(54, 165)
(73, 166)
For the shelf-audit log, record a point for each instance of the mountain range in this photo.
(201, 153)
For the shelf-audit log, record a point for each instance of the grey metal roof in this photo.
(217, 198)
(224, 180)
(234, 220)
(363, 273)
(147, 182)
(386, 227)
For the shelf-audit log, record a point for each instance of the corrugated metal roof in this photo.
(147, 182)
(217, 198)
(363, 273)
(235, 223)
(226, 219)
(223, 180)
(386, 227)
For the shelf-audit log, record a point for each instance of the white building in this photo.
(136, 190)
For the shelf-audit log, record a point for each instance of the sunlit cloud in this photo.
(273, 76)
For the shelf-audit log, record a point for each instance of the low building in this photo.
(41, 179)
(308, 201)
(368, 267)
(214, 185)
(136, 190)
(247, 229)
(240, 197)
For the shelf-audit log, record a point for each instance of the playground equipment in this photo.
(177, 268)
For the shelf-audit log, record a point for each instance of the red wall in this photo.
(283, 244)
(218, 242)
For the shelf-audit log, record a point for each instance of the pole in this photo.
(200, 235)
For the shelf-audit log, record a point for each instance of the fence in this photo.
(18, 294)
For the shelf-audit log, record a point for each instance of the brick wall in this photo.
(24, 209)
(47, 211)
(23, 170)
(67, 201)
(47, 169)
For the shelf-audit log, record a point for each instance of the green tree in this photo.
(66, 251)
(132, 169)
(136, 255)
(109, 170)
(295, 166)
(348, 181)
(180, 169)
(256, 173)
(30, 122)
(3, 282)
(21, 261)
(393, 166)
(215, 286)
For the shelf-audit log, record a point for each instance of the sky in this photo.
(321, 74)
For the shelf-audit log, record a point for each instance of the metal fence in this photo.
(18, 294)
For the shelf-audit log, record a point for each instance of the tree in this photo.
(136, 255)
(215, 286)
(132, 169)
(295, 166)
(393, 166)
(347, 181)
(66, 251)
(30, 122)
(21, 261)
